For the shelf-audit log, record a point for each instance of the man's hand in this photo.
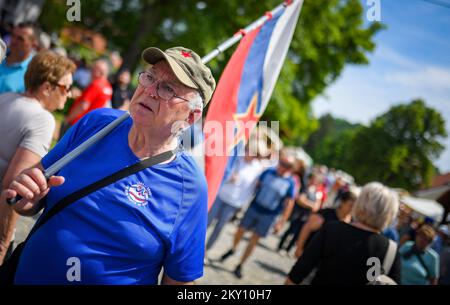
(278, 226)
(32, 186)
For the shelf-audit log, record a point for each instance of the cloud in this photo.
(363, 93)
(426, 77)
(394, 58)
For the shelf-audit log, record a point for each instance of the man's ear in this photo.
(35, 42)
(46, 88)
(194, 115)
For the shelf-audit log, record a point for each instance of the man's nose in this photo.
(152, 89)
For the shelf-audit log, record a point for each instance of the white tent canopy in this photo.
(425, 207)
(433, 193)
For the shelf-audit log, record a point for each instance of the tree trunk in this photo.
(148, 21)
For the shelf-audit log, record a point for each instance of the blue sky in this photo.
(412, 60)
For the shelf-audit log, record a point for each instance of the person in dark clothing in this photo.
(317, 220)
(340, 252)
(306, 203)
(122, 92)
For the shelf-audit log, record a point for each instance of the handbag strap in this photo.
(389, 257)
(421, 261)
(122, 173)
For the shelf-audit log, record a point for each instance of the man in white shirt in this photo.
(237, 191)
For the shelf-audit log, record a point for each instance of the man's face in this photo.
(150, 110)
(347, 206)
(284, 166)
(22, 41)
(57, 93)
(98, 70)
(422, 242)
(124, 77)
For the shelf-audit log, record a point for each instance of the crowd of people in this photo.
(334, 225)
(156, 218)
(156, 193)
(37, 78)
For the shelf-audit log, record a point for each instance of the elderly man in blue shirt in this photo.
(24, 40)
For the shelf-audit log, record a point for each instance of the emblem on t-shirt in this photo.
(138, 193)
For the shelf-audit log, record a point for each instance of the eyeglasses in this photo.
(163, 89)
(66, 88)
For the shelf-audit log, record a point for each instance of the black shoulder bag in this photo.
(8, 269)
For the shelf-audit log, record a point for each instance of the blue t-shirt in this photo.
(12, 78)
(413, 273)
(123, 233)
(272, 191)
(392, 233)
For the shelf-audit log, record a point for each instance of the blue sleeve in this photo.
(291, 190)
(434, 270)
(184, 259)
(405, 248)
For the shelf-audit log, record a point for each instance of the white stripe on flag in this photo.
(278, 48)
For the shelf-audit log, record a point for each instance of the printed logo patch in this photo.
(138, 193)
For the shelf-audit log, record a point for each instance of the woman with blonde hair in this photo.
(27, 126)
(343, 254)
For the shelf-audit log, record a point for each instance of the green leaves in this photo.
(397, 148)
(329, 35)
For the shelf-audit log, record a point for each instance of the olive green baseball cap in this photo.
(187, 67)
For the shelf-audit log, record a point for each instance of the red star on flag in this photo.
(245, 123)
(186, 54)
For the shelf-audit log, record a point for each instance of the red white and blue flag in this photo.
(243, 92)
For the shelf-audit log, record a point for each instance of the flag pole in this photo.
(238, 36)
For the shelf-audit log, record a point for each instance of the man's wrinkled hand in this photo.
(32, 186)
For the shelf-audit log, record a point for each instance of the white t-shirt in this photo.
(241, 191)
(23, 123)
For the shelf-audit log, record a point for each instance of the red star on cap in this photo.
(186, 54)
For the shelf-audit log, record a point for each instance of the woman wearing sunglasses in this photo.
(27, 126)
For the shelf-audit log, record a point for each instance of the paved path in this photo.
(264, 266)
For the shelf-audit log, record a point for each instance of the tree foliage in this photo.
(329, 35)
(398, 147)
(328, 144)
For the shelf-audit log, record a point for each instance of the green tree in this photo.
(329, 143)
(398, 148)
(329, 35)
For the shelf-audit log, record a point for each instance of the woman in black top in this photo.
(317, 220)
(340, 251)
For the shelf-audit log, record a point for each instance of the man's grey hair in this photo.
(376, 206)
(196, 102)
(179, 128)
